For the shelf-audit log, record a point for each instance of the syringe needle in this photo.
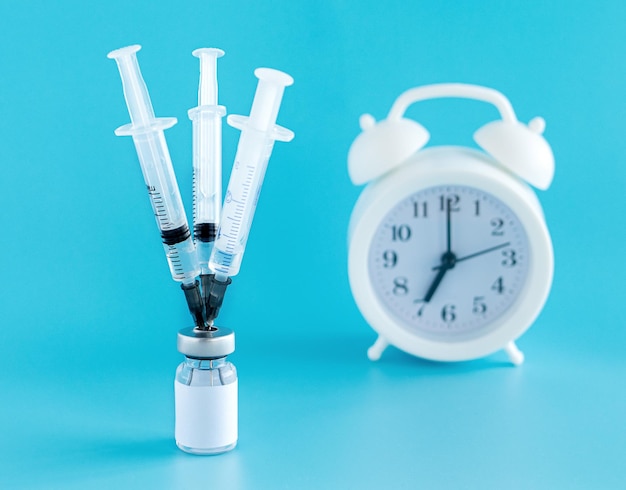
(258, 133)
(194, 302)
(214, 295)
(156, 166)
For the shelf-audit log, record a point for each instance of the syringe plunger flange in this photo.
(265, 106)
(136, 94)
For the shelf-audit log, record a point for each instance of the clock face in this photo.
(447, 261)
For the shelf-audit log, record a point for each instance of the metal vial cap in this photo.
(206, 344)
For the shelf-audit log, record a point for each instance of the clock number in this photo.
(452, 200)
(400, 287)
(401, 233)
(498, 286)
(390, 258)
(448, 313)
(420, 210)
(476, 207)
(497, 224)
(510, 258)
(479, 306)
(422, 304)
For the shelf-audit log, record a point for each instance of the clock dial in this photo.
(449, 260)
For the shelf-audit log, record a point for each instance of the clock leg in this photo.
(516, 356)
(376, 350)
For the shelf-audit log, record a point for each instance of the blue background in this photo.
(89, 313)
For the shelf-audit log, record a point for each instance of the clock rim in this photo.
(451, 166)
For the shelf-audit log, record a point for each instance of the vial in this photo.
(205, 392)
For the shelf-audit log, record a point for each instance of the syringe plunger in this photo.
(135, 90)
(207, 88)
(267, 98)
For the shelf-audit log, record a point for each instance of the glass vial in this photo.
(205, 393)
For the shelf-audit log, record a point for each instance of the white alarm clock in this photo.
(450, 257)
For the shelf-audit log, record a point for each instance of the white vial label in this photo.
(206, 416)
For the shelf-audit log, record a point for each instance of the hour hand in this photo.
(448, 260)
(431, 290)
(435, 284)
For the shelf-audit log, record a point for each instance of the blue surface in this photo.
(89, 312)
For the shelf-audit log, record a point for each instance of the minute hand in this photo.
(471, 256)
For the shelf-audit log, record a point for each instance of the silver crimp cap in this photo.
(206, 344)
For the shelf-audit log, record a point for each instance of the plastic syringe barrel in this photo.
(207, 156)
(156, 166)
(258, 133)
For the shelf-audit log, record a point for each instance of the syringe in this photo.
(207, 161)
(156, 166)
(258, 133)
